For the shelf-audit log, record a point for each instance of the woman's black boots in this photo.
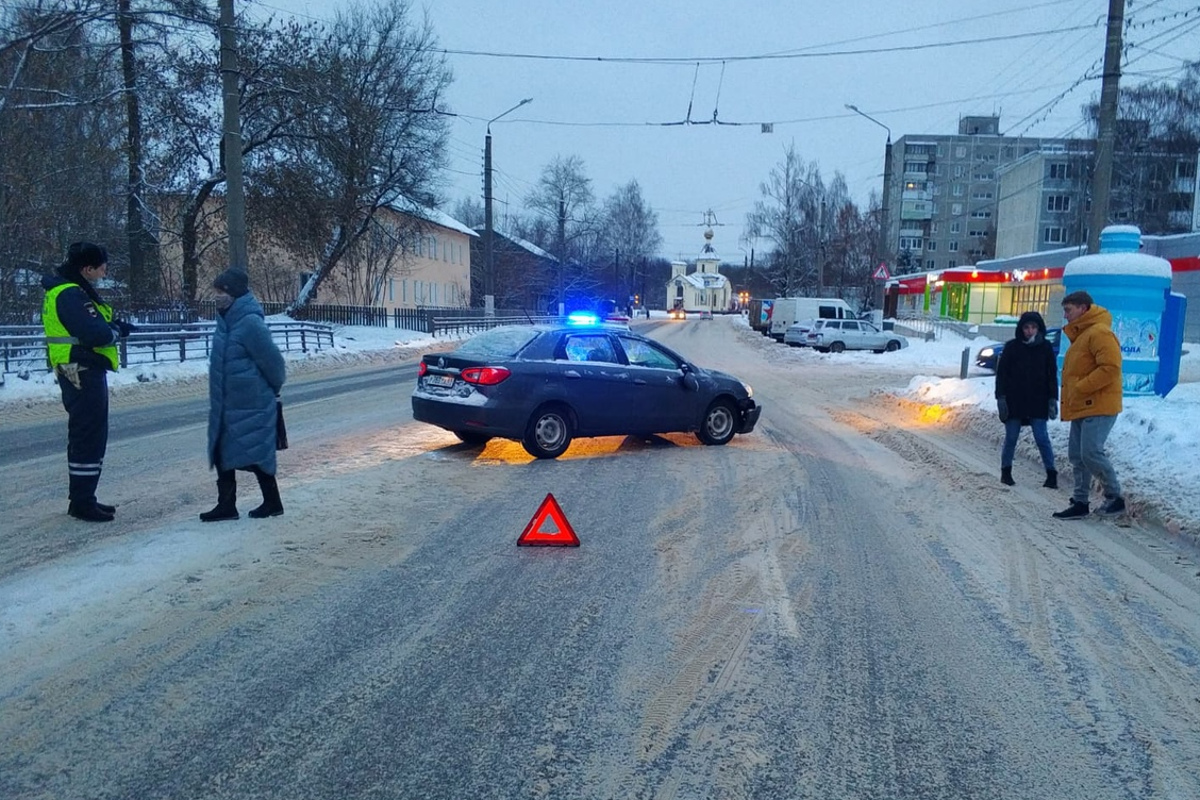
(1006, 476)
(272, 505)
(226, 507)
(1051, 479)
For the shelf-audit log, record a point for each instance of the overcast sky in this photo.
(916, 67)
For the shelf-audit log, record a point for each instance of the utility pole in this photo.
(1106, 133)
(489, 265)
(235, 197)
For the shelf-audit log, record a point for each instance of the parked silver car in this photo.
(836, 335)
(797, 333)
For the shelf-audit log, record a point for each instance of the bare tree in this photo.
(629, 235)
(186, 145)
(377, 138)
(563, 198)
(790, 217)
(60, 128)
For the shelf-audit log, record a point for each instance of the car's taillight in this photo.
(484, 376)
(422, 369)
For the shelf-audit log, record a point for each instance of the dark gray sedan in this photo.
(543, 385)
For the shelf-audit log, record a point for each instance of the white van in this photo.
(787, 311)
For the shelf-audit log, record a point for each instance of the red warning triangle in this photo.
(562, 536)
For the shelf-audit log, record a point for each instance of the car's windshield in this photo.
(505, 341)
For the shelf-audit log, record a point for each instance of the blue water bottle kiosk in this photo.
(1147, 316)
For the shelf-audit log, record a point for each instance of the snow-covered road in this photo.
(845, 603)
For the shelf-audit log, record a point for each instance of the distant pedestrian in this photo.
(81, 345)
(1027, 394)
(1091, 401)
(245, 374)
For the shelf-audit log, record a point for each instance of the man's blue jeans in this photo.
(1012, 430)
(1085, 449)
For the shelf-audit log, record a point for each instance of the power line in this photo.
(676, 61)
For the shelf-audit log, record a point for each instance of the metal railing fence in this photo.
(23, 347)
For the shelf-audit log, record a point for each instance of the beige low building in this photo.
(704, 289)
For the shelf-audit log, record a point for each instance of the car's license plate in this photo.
(439, 380)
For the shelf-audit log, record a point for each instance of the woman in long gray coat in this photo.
(245, 373)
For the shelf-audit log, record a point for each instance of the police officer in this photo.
(81, 343)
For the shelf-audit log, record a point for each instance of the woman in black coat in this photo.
(1027, 393)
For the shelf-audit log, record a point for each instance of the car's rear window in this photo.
(506, 341)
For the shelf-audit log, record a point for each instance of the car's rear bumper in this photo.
(464, 417)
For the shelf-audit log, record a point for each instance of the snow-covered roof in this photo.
(519, 242)
(436, 216)
(706, 280)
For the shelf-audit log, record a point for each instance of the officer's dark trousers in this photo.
(87, 432)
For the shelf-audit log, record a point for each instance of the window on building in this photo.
(1057, 170)
(1058, 202)
(956, 209)
(951, 264)
(981, 214)
(1054, 234)
(981, 195)
(1185, 169)
(958, 190)
(960, 151)
(952, 247)
(958, 170)
(977, 233)
(956, 227)
(914, 166)
(910, 243)
(933, 227)
(932, 245)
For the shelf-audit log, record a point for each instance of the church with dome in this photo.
(702, 289)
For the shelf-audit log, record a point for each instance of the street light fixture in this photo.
(489, 279)
(884, 236)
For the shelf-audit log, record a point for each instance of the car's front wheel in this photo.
(549, 432)
(719, 423)
(893, 346)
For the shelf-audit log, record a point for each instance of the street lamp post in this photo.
(884, 237)
(489, 275)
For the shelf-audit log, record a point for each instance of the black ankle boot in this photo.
(1006, 476)
(226, 507)
(1051, 479)
(272, 504)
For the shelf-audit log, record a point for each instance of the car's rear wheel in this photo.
(893, 346)
(837, 347)
(719, 422)
(471, 437)
(549, 432)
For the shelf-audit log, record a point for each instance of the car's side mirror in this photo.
(690, 381)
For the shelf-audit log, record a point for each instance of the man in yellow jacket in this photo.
(1090, 401)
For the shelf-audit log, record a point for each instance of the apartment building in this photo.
(956, 200)
(945, 193)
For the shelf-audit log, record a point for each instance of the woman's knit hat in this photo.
(233, 282)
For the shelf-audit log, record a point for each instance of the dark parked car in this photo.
(543, 385)
(989, 356)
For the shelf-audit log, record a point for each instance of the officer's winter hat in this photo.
(80, 255)
(233, 282)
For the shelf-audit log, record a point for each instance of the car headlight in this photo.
(749, 389)
(987, 352)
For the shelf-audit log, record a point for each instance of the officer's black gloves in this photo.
(124, 328)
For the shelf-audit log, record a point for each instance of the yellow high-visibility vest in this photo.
(59, 340)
